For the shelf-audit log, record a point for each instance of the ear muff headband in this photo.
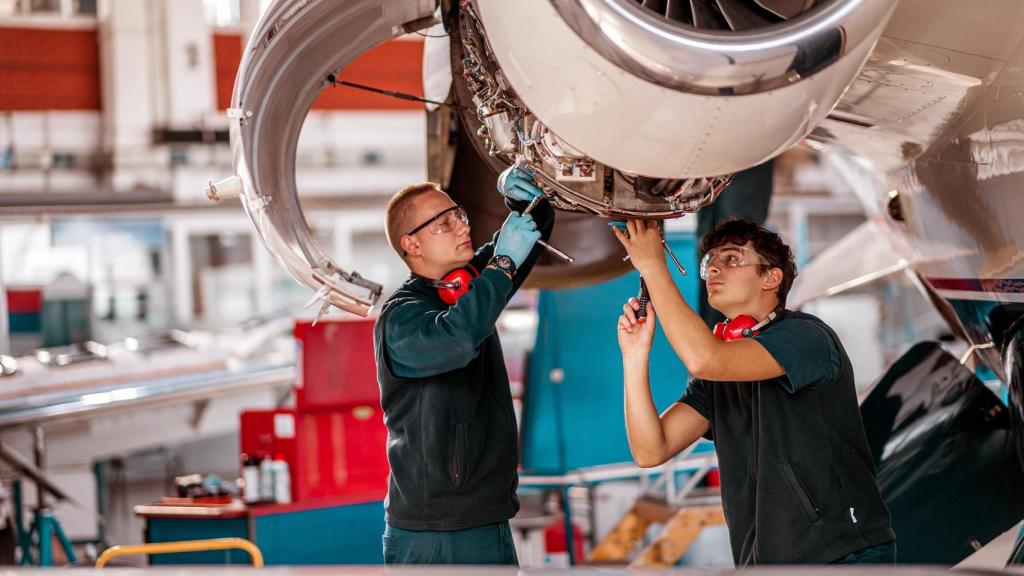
(743, 326)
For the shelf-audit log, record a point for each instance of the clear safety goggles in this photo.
(729, 257)
(444, 221)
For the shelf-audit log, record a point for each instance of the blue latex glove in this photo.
(517, 185)
(518, 235)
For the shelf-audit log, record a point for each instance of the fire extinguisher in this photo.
(556, 551)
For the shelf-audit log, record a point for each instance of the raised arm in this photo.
(653, 439)
(704, 356)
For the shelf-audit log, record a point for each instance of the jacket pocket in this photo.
(459, 453)
(812, 510)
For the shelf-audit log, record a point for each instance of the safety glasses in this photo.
(444, 221)
(729, 257)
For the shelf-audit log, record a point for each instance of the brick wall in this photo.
(56, 69)
(49, 69)
(395, 65)
(227, 55)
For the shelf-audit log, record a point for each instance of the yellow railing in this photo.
(184, 546)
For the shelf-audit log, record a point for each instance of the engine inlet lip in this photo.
(678, 56)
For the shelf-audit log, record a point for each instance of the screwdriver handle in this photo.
(643, 297)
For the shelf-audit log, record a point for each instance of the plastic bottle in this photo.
(282, 480)
(250, 478)
(266, 479)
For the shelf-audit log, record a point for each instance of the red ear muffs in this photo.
(739, 327)
(719, 330)
(742, 326)
(455, 284)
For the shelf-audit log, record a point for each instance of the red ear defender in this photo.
(742, 326)
(739, 327)
(455, 284)
(719, 330)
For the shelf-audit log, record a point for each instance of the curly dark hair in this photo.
(765, 242)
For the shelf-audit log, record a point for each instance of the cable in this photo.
(392, 93)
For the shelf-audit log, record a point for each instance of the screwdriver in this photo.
(545, 245)
(643, 298)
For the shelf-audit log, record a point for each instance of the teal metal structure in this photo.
(36, 543)
(572, 414)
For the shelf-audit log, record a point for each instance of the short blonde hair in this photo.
(399, 212)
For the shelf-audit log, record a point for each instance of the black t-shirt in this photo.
(798, 480)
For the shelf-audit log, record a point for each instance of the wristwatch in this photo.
(505, 264)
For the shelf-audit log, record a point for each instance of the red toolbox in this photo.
(335, 364)
(329, 452)
(24, 300)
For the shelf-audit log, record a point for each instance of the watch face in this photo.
(505, 263)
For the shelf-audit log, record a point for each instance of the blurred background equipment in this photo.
(307, 471)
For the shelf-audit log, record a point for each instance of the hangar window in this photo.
(60, 8)
(223, 13)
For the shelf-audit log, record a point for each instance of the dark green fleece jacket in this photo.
(452, 435)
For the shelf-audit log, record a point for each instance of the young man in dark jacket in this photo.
(798, 480)
(452, 434)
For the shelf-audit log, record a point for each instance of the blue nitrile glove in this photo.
(518, 235)
(517, 185)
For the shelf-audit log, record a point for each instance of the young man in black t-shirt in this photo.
(798, 479)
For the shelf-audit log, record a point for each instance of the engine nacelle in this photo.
(626, 112)
(672, 95)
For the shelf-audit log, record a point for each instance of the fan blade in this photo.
(706, 16)
(742, 16)
(679, 11)
(786, 9)
(655, 5)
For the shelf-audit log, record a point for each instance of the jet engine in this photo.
(622, 108)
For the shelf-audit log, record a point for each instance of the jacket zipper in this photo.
(802, 493)
(455, 463)
(459, 433)
(754, 439)
(807, 494)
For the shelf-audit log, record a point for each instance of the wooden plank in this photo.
(654, 510)
(619, 543)
(678, 536)
(621, 540)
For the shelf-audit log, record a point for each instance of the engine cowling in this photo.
(664, 90)
(624, 111)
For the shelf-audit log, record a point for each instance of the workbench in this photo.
(338, 530)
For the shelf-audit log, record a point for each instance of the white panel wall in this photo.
(340, 153)
(188, 54)
(128, 96)
(359, 152)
